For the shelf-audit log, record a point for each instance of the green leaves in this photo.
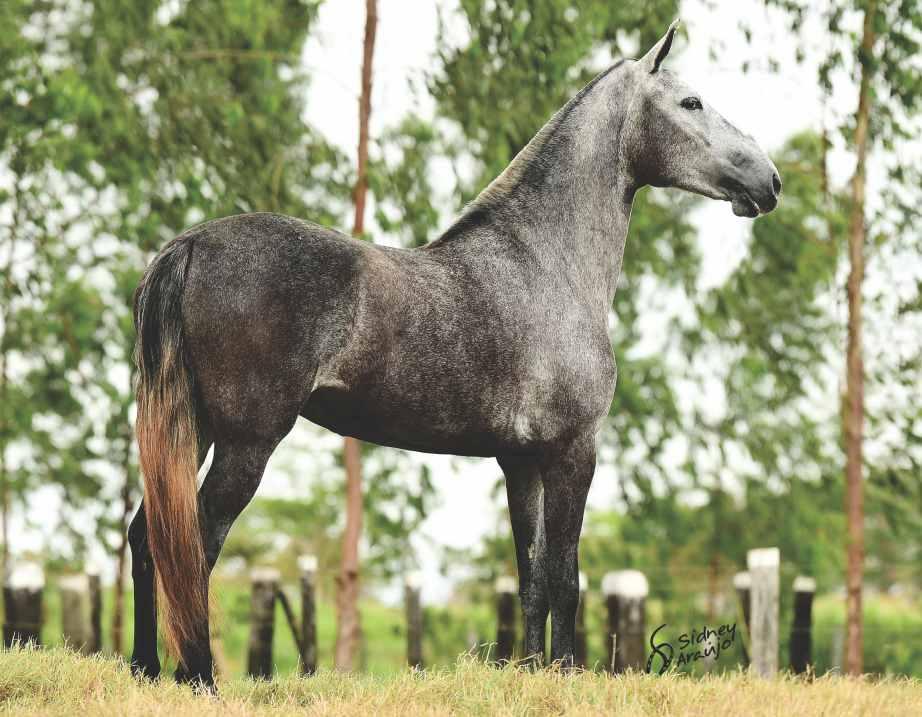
(121, 124)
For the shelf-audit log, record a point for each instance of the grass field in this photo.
(383, 649)
(57, 682)
(893, 632)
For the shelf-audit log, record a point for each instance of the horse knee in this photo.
(534, 594)
(564, 595)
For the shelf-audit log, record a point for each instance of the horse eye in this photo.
(692, 103)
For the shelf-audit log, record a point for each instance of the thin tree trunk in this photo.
(4, 478)
(348, 625)
(854, 405)
(5, 300)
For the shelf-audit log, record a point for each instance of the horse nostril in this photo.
(776, 183)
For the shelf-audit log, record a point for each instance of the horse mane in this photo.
(503, 185)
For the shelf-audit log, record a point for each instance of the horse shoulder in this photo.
(568, 377)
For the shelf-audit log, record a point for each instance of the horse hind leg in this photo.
(144, 659)
(236, 471)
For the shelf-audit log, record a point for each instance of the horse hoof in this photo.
(145, 670)
(201, 682)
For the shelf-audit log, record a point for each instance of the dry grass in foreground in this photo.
(57, 682)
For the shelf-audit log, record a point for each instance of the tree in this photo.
(854, 394)
(348, 625)
(48, 329)
(123, 128)
(880, 58)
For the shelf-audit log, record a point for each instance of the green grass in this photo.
(57, 682)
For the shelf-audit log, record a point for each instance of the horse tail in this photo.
(168, 447)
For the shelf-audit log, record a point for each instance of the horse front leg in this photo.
(524, 492)
(566, 475)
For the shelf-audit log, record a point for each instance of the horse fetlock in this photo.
(145, 668)
(200, 677)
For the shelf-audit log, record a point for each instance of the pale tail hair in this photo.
(168, 447)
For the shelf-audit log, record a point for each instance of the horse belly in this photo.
(409, 422)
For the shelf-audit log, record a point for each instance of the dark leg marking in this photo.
(567, 475)
(524, 491)
(144, 659)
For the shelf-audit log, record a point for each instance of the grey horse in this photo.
(490, 341)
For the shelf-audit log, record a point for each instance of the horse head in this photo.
(674, 138)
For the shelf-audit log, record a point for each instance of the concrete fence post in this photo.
(764, 564)
(625, 594)
(802, 625)
(76, 625)
(506, 615)
(307, 564)
(412, 590)
(265, 584)
(22, 598)
(579, 643)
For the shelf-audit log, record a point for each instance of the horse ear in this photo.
(652, 60)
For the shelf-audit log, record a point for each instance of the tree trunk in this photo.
(348, 625)
(5, 300)
(4, 478)
(854, 405)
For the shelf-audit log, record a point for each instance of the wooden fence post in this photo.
(764, 564)
(95, 584)
(22, 598)
(76, 626)
(625, 598)
(742, 583)
(307, 564)
(414, 607)
(265, 584)
(505, 618)
(801, 639)
(579, 644)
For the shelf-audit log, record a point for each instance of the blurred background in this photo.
(121, 124)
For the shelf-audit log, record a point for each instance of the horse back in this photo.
(268, 299)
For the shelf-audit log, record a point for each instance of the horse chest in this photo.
(563, 392)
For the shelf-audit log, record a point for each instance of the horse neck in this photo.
(568, 195)
(577, 223)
